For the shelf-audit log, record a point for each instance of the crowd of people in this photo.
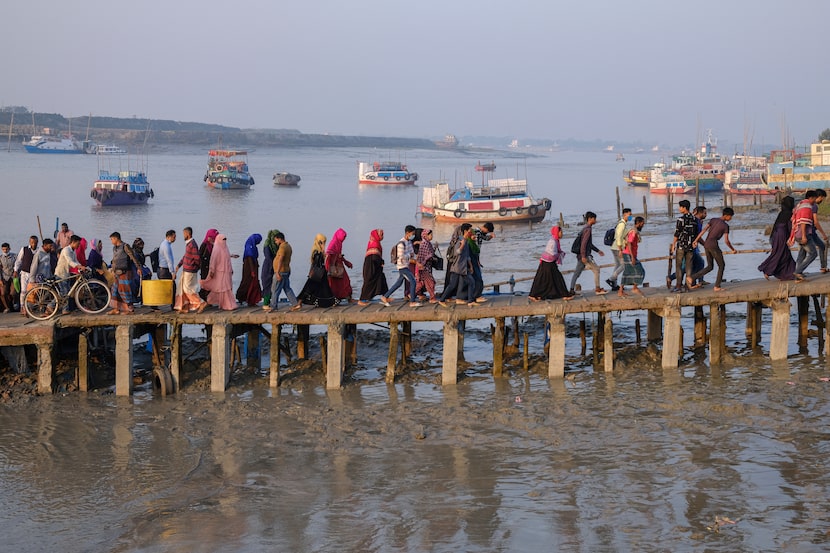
(207, 274)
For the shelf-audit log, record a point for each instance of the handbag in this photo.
(437, 260)
(317, 273)
(336, 270)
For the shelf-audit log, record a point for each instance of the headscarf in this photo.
(95, 260)
(80, 252)
(374, 247)
(250, 246)
(336, 244)
(319, 246)
(553, 250)
(786, 213)
(220, 264)
(210, 238)
(270, 244)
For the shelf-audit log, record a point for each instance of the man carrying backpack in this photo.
(583, 247)
(617, 244)
(401, 255)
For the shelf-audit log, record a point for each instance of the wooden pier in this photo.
(663, 308)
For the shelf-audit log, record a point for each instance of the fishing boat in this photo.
(495, 200)
(44, 144)
(228, 170)
(705, 170)
(791, 171)
(107, 149)
(115, 186)
(665, 182)
(748, 181)
(386, 172)
(286, 179)
(637, 177)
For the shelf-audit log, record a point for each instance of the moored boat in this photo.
(385, 173)
(747, 181)
(44, 144)
(665, 182)
(119, 187)
(791, 171)
(228, 170)
(286, 179)
(637, 177)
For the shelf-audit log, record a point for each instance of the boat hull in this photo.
(533, 214)
(37, 150)
(287, 179)
(227, 183)
(105, 198)
(388, 173)
(386, 180)
(785, 176)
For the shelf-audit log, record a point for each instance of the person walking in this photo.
(282, 276)
(250, 291)
(461, 272)
(718, 227)
(205, 251)
(336, 265)
(620, 232)
(63, 236)
(374, 279)
(22, 264)
(585, 257)
(7, 260)
(316, 290)
(802, 232)
(188, 297)
(402, 255)
(821, 243)
(682, 247)
(548, 283)
(167, 262)
(424, 279)
(780, 263)
(633, 271)
(266, 274)
(67, 260)
(481, 234)
(122, 289)
(219, 282)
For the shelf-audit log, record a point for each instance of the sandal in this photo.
(600, 291)
(114, 312)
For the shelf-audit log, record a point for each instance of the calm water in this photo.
(638, 460)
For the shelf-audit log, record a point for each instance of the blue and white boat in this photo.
(53, 145)
(115, 186)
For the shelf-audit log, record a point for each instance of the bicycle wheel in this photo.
(41, 303)
(92, 296)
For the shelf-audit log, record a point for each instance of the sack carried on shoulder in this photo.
(336, 270)
(317, 273)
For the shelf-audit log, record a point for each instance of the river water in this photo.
(726, 458)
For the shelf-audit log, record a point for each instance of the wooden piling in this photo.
(556, 355)
(46, 369)
(780, 329)
(525, 360)
(123, 359)
(645, 208)
(671, 337)
(452, 342)
(700, 327)
(83, 362)
(220, 352)
(803, 304)
(753, 315)
(176, 355)
(582, 337)
(717, 333)
(336, 357)
(608, 347)
(654, 326)
(392, 358)
(637, 331)
(406, 341)
(498, 347)
(274, 356)
(462, 327)
(252, 354)
(302, 341)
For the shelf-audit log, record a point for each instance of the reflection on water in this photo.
(637, 460)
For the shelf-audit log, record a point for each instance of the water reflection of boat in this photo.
(385, 172)
(228, 170)
(286, 179)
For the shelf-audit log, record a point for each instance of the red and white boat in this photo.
(665, 182)
(385, 173)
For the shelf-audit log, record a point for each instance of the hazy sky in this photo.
(630, 70)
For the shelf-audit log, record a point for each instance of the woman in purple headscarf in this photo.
(249, 290)
(336, 266)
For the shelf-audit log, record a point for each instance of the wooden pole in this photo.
(274, 355)
(717, 314)
(556, 355)
(700, 327)
(336, 358)
(608, 346)
(449, 368)
(582, 337)
(672, 342)
(645, 208)
(780, 329)
(525, 361)
(302, 341)
(392, 357)
(176, 356)
(619, 212)
(803, 319)
(83, 362)
(123, 359)
(638, 331)
(220, 345)
(498, 347)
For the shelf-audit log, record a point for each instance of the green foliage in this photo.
(825, 135)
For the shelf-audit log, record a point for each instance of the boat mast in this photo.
(11, 125)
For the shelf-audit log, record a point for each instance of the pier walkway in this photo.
(663, 309)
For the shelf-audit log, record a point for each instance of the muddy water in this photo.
(731, 459)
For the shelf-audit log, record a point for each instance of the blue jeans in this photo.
(806, 254)
(282, 285)
(403, 274)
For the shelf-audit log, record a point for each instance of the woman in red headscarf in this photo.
(336, 266)
(548, 284)
(374, 281)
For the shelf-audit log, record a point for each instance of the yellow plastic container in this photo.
(156, 292)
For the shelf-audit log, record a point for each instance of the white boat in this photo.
(108, 149)
(748, 181)
(286, 179)
(665, 182)
(385, 173)
(53, 145)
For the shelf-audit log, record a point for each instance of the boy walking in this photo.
(717, 227)
(585, 259)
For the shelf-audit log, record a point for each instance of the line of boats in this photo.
(708, 171)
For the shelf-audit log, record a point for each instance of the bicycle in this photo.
(44, 300)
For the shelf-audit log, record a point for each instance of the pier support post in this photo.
(220, 353)
(654, 326)
(462, 327)
(123, 359)
(302, 341)
(350, 346)
(608, 345)
(753, 315)
(803, 303)
(671, 337)
(392, 358)
(717, 333)
(336, 356)
(176, 356)
(45, 369)
(700, 327)
(780, 329)
(252, 355)
(406, 340)
(498, 347)
(274, 355)
(452, 343)
(556, 351)
(83, 362)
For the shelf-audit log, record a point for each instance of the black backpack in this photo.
(609, 237)
(577, 245)
(154, 260)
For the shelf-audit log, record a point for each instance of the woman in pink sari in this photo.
(219, 281)
(336, 265)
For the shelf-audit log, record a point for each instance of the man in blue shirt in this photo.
(167, 264)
